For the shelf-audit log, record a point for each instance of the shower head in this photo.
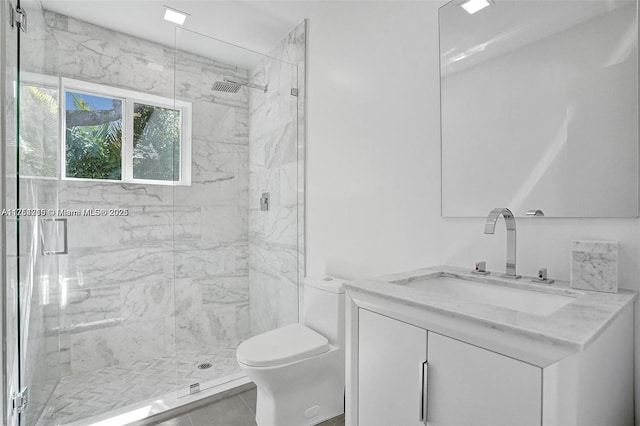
(226, 86)
(232, 85)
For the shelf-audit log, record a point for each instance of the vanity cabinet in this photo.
(468, 385)
(390, 396)
(420, 350)
(407, 374)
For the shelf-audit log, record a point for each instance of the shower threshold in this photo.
(136, 414)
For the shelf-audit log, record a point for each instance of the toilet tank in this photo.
(323, 309)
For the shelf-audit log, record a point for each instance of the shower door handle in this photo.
(44, 241)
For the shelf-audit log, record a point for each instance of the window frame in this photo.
(128, 98)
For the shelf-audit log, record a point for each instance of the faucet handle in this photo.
(481, 268)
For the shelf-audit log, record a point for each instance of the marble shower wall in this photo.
(276, 237)
(173, 274)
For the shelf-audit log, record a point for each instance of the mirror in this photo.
(539, 104)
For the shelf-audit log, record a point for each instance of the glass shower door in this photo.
(106, 328)
(9, 40)
(39, 236)
(236, 225)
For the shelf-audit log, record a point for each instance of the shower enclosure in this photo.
(154, 215)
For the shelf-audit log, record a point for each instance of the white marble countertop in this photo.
(575, 325)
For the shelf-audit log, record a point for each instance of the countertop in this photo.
(575, 325)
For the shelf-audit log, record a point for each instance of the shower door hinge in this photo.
(19, 401)
(18, 18)
(294, 92)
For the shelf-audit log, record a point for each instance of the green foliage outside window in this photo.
(156, 143)
(94, 144)
(38, 131)
(94, 150)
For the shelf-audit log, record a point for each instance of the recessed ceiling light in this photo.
(175, 16)
(472, 6)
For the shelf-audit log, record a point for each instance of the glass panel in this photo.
(39, 130)
(236, 266)
(117, 301)
(156, 143)
(93, 137)
(9, 44)
(36, 192)
(97, 322)
(175, 278)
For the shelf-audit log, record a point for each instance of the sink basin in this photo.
(517, 299)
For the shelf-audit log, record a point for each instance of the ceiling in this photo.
(256, 26)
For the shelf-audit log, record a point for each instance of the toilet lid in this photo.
(281, 346)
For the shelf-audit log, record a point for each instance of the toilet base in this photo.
(300, 394)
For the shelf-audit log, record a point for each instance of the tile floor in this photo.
(91, 393)
(236, 410)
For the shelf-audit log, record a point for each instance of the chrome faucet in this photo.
(510, 221)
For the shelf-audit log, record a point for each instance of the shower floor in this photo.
(91, 393)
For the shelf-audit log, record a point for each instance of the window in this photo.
(38, 127)
(120, 135)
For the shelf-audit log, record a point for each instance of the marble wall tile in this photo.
(594, 265)
(90, 306)
(170, 346)
(139, 256)
(288, 180)
(224, 224)
(114, 266)
(273, 303)
(87, 231)
(242, 259)
(276, 260)
(101, 348)
(227, 322)
(166, 278)
(213, 188)
(150, 224)
(110, 194)
(278, 108)
(225, 291)
(188, 297)
(147, 301)
(203, 262)
(276, 148)
(194, 330)
(281, 227)
(211, 309)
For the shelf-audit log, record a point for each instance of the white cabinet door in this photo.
(468, 385)
(391, 354)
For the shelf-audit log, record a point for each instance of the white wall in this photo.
(373, 138)
(373, 163)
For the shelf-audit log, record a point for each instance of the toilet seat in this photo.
(281, 346)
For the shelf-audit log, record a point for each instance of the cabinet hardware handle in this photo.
(424, 402)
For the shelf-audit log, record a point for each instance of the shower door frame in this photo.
(7, 38)
(9, 76)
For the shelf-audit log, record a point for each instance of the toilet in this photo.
(298, 369)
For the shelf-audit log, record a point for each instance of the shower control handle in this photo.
(265, 201)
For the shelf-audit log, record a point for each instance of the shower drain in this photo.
(205, 365)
